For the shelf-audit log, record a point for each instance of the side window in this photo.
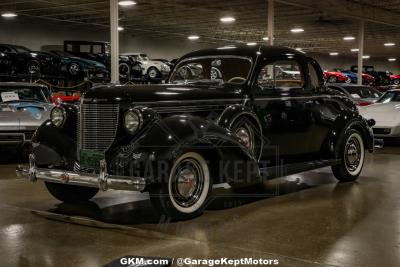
(85, 48)
(97, 49)
(283, 74)
(315, 80)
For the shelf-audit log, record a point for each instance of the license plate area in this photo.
(90, 158)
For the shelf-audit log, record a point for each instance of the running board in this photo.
(288, 169)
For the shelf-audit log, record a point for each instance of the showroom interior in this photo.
(181, 81)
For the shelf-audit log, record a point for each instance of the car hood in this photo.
(382, 112)
(23, 115)
(165, 93)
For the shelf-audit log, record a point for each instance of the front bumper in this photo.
(103, 180)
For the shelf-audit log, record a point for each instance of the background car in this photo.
(395, 79)
(366, 78)
(336, 77)
(21, 60)
(380, 77)
(23, 108)
(151, 68)
(361, 95)
(386, 113)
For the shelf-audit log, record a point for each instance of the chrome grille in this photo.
(97, 126)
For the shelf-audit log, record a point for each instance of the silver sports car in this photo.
(23, 108)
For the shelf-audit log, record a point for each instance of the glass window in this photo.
(97, 49)
(390, 97)
(85, 49)
(9, 94)
(222, 70)
(315, 81)
(362, 92)
(285, 74)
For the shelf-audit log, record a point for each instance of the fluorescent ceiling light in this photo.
(266, 38)
(9, 15)
(193, 37)
(354, 50)
(227, 47)
(297, 30)
(349, 38)
(120, 28)
(389, 44)
(392, 59)
(126, 3)
(333, 53)
(227, 19)
(251, 43)
(366, 57)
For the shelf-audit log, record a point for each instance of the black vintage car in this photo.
(177, 140)
(15, 59)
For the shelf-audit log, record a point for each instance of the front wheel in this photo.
(352, 151)
(188, 188)
(74, 69)
(332, 79)
(153, 73)
(396, 82)
(71, 193)
(33, 67)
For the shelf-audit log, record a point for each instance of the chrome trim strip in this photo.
(103, 180)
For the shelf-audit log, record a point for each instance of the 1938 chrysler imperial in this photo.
(231, 115)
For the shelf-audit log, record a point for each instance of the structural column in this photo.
(114, 41)
(271, 18)
(360, 52)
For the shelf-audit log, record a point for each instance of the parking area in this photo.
(306, 219)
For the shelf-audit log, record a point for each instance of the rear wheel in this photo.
(352, 151)
(71, 193)
(248, 134)
(187, 190)
(74, 69)
(124, 70)
(332, 79)
(153, 73)
(396, 82)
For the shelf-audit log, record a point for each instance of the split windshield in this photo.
(222, 70)
(390, 97)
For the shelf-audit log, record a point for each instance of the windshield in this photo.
(12, 94)
(232, 70)
(362, 92)
(390, 97)
(21, 49)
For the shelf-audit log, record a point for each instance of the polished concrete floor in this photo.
(302, 220)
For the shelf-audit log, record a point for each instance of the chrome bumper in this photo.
(103, 180)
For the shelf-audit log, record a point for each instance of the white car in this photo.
(151, 68)
(386, 113)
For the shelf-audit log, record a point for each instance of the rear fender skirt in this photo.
(152, 154)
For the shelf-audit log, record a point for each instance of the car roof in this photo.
(347, 85)
(245, 51)
(10, 84)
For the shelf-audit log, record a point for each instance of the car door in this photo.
(280, 98)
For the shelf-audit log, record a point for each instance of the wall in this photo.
(45, 35)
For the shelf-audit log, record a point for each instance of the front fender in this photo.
(153, 153)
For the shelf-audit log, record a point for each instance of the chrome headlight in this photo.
(58, 116)
(132, 121)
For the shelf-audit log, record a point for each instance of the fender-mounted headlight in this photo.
(58, 116)
(132, 121)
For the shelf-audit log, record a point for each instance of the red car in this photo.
(395, 79)
(66, 97)
(336, 77)
(368, 79)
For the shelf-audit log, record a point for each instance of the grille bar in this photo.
(98, 125)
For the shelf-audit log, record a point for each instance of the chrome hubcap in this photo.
(353, 154)
(33, 68)
(74, 69)
(153, 74)
(188, 182)
(245, 134)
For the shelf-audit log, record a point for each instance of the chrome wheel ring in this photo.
(189, 182)
(354, 154)
(153, 73)
(33, 68)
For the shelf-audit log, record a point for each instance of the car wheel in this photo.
(153, 73)
(124, 70)
(33, 67)
(248, 134)
(348, 80)
(71, 193)
(352, 151)
(74, 69)
(396, 82)
(332, 79)
(186, 193)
